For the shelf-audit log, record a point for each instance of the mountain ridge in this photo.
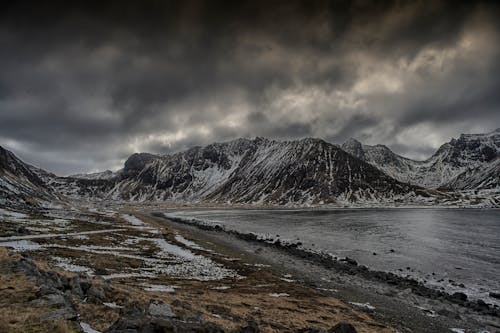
(308, 171)
(451, 159)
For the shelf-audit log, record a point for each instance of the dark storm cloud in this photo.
(86, 83)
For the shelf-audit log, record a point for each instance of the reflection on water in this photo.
(455, 244)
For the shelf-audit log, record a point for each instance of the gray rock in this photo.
(50, 300)
(75, 287)
(459, 297)
(96, 293)
(159, 309)
(495, 295)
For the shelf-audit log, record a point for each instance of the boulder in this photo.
(495, 295)
(160, 310)
(342, 328)
(458, 297)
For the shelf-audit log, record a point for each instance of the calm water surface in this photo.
(462, 245)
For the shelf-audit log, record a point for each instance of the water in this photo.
(462, 245)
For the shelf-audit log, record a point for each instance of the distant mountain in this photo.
(257, 171)
(463, 163)
(19, 184)
(96, 175)
(260, 171)
(384, 159)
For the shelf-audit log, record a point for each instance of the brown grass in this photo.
(100, 317)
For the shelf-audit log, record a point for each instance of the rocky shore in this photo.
(87, 270)
(479, 310)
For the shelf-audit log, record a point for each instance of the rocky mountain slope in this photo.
(19, 184)
(257, 171)
(469, 162)
(261, 171)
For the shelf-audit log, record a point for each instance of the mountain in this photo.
(481, 177)
(459, 164)
(262, 171)
(384, 159)
(308, 171)
(96, 175)
(19, 184)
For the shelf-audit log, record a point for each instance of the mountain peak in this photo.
(352, 141)
(354, 147)
(138, 161)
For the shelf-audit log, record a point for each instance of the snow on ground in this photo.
(168, 249)
(159, 287)
(127, 275)
(66, 264)
(160, 257)
(112, 305)
(151, 230)
(457, 330)
(189, 243)
(221, 288)
(132, 219)
(21, 245)
(93, 232)
(11, 214)
(366, 306)
(87, 329)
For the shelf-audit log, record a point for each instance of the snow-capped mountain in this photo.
(486, 176)
(96, 175)
(257, 171)
(384, 159)
(19, 184)
(262, 171)
(462, 163)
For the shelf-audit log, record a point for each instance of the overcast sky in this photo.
(84, 86)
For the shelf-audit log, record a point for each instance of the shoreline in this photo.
(392, 293)
(150, 276)
(426, 281)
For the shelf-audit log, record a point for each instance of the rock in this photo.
(445, 312)
(342, 328)
(55, 300)
(251, 327)
(159, 309)
(75, 287)
(22, 230)
(85, 284)
(495, 295)
(137, 321)
(350, 261)
(96, 293)
(459, 297)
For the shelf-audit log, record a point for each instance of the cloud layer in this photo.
(84, 86)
